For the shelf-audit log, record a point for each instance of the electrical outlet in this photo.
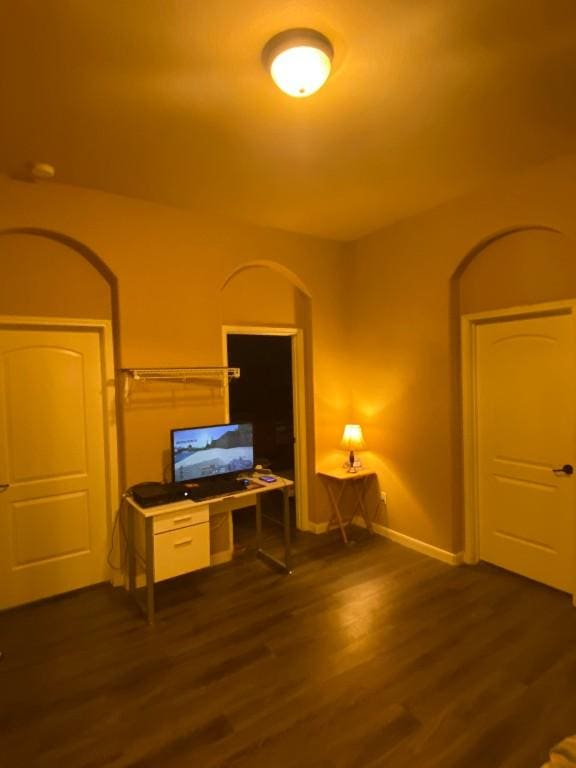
(384, 497)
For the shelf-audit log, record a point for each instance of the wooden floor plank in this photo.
(369, 655)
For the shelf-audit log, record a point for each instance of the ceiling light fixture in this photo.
(299, 61)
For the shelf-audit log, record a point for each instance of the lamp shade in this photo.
(299, 61)
(352, 437)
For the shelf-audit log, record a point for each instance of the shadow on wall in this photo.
(518, 267)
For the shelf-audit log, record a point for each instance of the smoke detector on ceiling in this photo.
(42, 171)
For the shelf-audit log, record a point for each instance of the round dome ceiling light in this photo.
(299, 61)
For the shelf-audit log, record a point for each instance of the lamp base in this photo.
(353, 464)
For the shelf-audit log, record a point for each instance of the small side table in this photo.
(336, 481)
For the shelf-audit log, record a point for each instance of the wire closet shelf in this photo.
(182, 375)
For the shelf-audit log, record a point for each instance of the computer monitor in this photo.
(203, 452)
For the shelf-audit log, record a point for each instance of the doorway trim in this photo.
(299, 405)
(104, 329)
(469, 328)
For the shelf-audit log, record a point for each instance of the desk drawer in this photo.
(187, 515)
(181, 551)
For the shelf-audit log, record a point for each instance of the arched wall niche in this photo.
(274, 267)
(519, 266)
(265, 293)
(522, 265)
(49, 274)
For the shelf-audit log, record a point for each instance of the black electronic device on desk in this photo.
(155, 494)
(214, 487)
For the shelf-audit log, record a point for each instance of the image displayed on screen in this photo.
(204, 452)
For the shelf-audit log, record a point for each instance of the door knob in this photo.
(567, 469)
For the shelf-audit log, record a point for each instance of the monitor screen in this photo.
(203, 452)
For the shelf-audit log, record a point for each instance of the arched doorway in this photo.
(58, 445)
(516, 295)
(265, 301)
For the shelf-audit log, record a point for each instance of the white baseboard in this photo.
(317, 527)
(451, 558)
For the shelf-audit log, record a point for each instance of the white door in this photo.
(53, 520)
(525, 386)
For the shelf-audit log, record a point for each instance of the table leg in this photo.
(149, 571)
(361, 501)
(336, 507)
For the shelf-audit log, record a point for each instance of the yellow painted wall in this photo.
(171, 267)
(42, 277)
(529, 266)
(383, 343)
(406, 347)
(255, 295)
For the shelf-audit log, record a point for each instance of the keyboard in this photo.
(220, 486)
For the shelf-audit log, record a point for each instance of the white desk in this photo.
(176, 537)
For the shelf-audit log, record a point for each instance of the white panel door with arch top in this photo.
(525, 393)
(53, 509)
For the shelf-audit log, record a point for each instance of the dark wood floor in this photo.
(366, 656)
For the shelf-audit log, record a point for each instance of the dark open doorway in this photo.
(264, 396)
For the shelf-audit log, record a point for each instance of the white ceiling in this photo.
(167, 100)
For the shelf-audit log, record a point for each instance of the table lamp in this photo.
(352, 440)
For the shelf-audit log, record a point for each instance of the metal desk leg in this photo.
(131, 546)
(149, 571)
(258, 522)
(287, 564)
(287, 531)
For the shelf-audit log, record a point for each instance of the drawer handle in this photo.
(183, 543)
(182, 519)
